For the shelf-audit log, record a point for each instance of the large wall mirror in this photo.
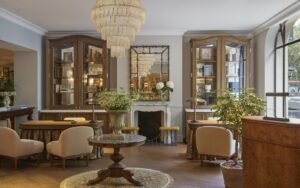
(148, 66)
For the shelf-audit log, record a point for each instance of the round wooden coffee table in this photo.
(116, 169)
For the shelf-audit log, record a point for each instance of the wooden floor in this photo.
(168, 159)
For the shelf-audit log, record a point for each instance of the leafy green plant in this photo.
(114, 100)
(231, 108)
(7, 85)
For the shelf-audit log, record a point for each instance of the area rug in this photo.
(148, 177)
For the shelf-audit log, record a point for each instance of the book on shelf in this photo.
(208, 70)
(199, 70)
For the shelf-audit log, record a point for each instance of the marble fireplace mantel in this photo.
(152, 107)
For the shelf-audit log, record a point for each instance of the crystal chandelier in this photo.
(118, 21)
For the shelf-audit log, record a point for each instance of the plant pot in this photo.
(117, 122)
(232, 174)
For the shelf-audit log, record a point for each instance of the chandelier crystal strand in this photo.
(118, 21)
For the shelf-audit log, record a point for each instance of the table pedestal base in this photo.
(115, 170)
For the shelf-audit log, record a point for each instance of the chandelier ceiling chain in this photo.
(118, 21)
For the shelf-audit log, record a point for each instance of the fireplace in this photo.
(149, 124)
(160, 107)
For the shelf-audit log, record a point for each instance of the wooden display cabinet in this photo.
(76, 67)
(219, 63)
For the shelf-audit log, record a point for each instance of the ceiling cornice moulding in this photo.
(146, 32)
(21, 21)
(284, 14)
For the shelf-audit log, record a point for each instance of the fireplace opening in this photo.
(149, 123)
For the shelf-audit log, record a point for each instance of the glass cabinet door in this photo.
(63, 70)
(205, 70)
(93, 72)
(235, 65)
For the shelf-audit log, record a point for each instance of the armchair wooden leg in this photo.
(201, 160)
(38, 159)
(15, 163)
(63, 163)
(87, 159)
(51, 159)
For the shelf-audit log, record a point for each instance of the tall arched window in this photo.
(285, 96)
(293, 60)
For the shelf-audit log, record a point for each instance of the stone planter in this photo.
(232, 174)
(117, 122)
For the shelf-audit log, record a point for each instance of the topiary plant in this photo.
(231, 108)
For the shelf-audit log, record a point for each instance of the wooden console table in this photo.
(271, 153)
(16, 112)
(191, 151)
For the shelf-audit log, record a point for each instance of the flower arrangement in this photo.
(114, 100)
(163, 87)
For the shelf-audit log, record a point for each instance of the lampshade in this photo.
(118, 21)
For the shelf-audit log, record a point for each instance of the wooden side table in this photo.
(191, 152)
(116, 169)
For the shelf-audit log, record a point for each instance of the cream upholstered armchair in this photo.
(13, 147)
(72, 143)
(214, 141)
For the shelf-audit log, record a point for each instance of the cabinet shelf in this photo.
(206, 77)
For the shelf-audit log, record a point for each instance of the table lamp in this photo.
(195, 101)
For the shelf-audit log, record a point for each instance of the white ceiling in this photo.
(162, 16)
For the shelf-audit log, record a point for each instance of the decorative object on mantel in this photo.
(118, 21)
(7, 91)
(163, 88)
(117, 104)
(230, 109)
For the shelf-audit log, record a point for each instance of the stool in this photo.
(130, 130)
(169, 133)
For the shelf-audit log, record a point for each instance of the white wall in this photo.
(27, 67)
(175, 43)
(259, 63)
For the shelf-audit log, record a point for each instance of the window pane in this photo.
(294, 80)
(235, 65)
(294, 33)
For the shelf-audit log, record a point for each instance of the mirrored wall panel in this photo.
(148, 66)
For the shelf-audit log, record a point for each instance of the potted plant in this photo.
(230, 109)
(117, 104)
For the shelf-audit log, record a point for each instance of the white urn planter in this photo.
(117, 122)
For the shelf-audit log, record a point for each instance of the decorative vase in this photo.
(117, 122)
(163, 96)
